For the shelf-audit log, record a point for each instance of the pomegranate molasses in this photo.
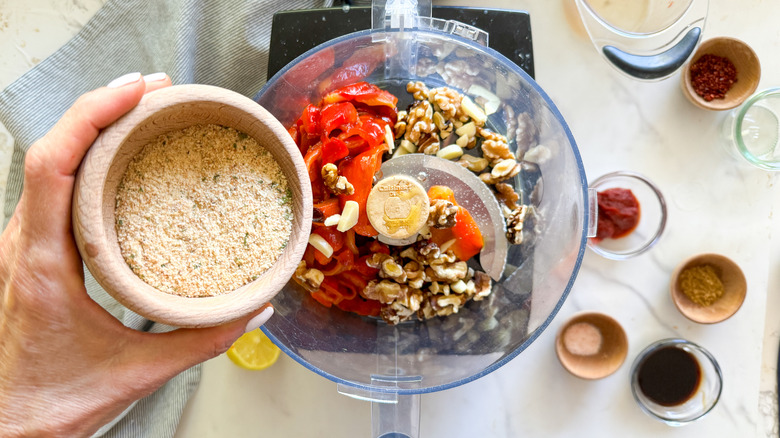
(669, 376)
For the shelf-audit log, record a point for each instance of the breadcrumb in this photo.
(202, 211)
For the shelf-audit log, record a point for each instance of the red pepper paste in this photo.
(713, 76)
(618, 213)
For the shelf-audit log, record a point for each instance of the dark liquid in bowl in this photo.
(669, 376)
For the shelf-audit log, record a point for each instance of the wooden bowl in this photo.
(734, 284)
(581, 355)
(94, 198)
(748, 73)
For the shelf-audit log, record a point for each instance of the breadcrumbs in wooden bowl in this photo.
(193, 209)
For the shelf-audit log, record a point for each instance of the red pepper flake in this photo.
(712, 76)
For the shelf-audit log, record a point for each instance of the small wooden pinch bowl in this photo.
(578, 352)
(734, 284)
(748, 73)
(166, 110)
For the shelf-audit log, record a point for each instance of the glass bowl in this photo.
(753, 130)
(652, 217)
(700, 400)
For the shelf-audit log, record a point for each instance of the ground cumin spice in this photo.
(712, 76)
(701, 284)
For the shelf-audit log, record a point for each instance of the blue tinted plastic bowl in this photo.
(365, 354)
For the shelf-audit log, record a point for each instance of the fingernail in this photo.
(124, 80)
(152, 77)
(259, 319)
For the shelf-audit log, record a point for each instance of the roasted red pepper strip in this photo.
(322, 298)
(356, 144)
(311, 120)
(337, 115)
(308, 255)
(349, 241)
(327, 208)
(370, 129)
(360, 172)
(362, 267)
(468, 238)
(333, 150)
(308, 71)
(313, 161)
(306, 141)
(362, 92)
(356, 68)
(442, 192)
(293, 131)
(361, 306)
(332, 290)
(321, 260)
(340, 262)
(334, 237)
(377, 246)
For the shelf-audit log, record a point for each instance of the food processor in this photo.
(392, 365)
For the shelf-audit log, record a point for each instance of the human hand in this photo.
(66, 365)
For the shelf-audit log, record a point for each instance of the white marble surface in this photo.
(716, 204)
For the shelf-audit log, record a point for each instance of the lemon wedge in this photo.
(254, 351)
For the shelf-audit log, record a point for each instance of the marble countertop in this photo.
(716, 204)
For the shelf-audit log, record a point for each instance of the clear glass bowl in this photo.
(652, 218)
(699, 403)
(753, 130)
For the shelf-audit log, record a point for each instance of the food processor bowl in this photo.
(392, 364)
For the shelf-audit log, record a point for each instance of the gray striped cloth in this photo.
(217, 42)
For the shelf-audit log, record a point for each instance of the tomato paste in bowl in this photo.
(631, 215)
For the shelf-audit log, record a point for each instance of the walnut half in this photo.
(337, 184)
(507, 195)
(385, 291)
(309, 278)
(442, 214)
(514, 225)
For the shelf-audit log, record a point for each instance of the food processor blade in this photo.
(470, 192)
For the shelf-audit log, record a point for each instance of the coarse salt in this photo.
(582, 339)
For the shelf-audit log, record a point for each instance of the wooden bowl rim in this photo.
(701, 314)
(752, 64)
(134, 293)
(602, 364)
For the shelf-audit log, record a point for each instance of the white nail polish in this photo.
(153, 77)
(259, 319)
(124, 80)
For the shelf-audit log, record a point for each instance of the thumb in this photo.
(52, 161)
(173, 352)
